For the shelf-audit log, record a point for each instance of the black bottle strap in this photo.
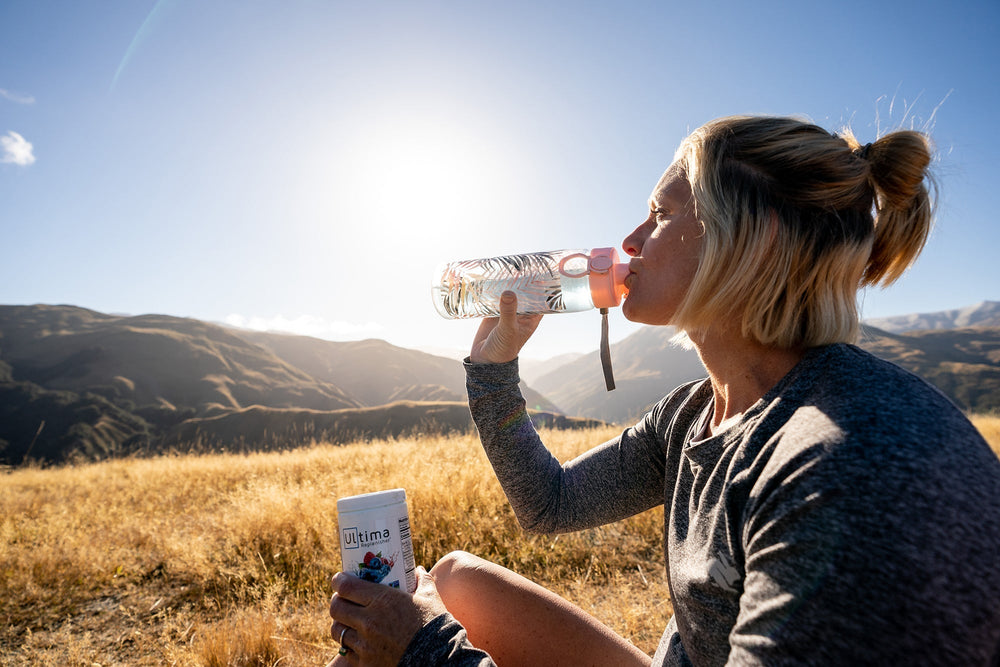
(609, 375)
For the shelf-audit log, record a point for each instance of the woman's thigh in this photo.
(519, 622)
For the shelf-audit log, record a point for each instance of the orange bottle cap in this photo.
(607, 278)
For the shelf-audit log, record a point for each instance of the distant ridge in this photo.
(79, 384)
(76, 384)
(962, 363)
(646, 366)
(984, 314)
(959, 353)
(377, 372)
(153, 359)
(256, 428)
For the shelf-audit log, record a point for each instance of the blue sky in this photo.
(304, 164)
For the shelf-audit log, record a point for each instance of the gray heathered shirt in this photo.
(851, 517)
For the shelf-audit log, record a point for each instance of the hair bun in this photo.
(899, 164)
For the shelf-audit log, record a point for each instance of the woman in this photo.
(822, 506)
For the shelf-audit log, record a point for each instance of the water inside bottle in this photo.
(472, 288)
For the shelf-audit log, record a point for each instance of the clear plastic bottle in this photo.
(560, 281)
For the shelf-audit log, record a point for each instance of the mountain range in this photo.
(984, 314)
(76, 384)
(959, 358)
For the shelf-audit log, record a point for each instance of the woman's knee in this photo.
(462, 577)
(457, 565)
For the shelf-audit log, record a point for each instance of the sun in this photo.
(424, 181)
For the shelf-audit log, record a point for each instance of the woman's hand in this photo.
(500, 339)
(377, 622)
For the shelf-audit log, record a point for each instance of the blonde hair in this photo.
(796, 221)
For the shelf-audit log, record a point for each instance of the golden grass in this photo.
(989, 426)
(225, 559)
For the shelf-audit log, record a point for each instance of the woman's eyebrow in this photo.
(659, 202)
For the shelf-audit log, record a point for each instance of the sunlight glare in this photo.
(422, 182)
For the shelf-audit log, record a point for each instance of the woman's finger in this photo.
(346, 654)
(359, 591)
(486, 327)
(351, 643)
(500, 340)
(352, 602)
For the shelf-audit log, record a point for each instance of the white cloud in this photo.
(20, 98)
(16, 149)
(306, 325)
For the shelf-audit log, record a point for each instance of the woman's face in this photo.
(665, 251)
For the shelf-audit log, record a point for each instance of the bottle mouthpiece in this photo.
(607, 278)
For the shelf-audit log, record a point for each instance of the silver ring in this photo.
(343, 648)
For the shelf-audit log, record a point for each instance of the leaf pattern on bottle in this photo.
(473, 287)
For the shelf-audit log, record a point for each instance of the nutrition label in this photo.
(404, 536)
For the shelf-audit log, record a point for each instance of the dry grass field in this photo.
(989, 426)
(224, 560)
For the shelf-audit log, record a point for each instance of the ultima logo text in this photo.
(356, 539)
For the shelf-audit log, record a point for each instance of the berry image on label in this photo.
(375, 567)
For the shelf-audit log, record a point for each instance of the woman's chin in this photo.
(634, 312)
(627, 311)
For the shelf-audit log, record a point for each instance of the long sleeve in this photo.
(617, 479)
(878, 551)
(622, 477)
(443, 642)
(851, 517)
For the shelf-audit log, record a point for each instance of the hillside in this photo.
(533, 369)
(377, 372)
(154, 360)
(646, 366)
(265, 429)
(962, 363)
(985, 314)
(76, 384)
(79, 384)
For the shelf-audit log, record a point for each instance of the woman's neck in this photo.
(741, 372)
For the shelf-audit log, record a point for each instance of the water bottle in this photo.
(561, 281)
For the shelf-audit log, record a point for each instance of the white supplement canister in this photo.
(375, 542)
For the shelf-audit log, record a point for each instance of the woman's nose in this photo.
(632, 245)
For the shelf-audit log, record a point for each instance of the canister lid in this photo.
(367, 501)
(607, 278)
